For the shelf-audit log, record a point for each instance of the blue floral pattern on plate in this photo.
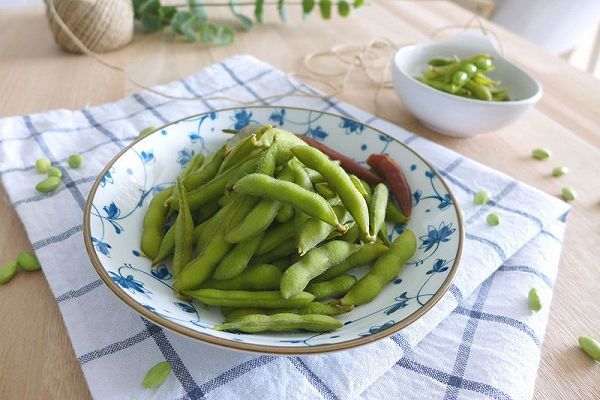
(126, 188)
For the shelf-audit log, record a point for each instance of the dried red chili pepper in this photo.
(347, 163)
(395, 179)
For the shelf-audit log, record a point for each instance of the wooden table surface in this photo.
(37, 360)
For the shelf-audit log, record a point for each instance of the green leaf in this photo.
(325, 7)
(197, 8)
(225, 35)
(307, 7)
(166, 14)
(151, 22)
(179, 19)
(246, 22)
(281, 8)
(358, 3)
(156, 375)
(208, 32)
(259, 10)
(190, 27)
(343, 8)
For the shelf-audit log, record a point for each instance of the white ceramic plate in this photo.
(121, 194)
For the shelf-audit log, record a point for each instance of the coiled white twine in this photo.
(337, 65)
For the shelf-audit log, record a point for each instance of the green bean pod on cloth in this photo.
(243, 298)
(385, 270)
(339, 181)
(314, 263)
(281, 323)
(154, 221)
(256, 277)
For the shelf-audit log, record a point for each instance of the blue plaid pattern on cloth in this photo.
(479, 341)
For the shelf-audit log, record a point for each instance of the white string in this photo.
(372, 59)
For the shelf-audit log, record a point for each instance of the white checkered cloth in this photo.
(479, 341)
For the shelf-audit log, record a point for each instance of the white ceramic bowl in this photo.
(455, 115)
(120, 196)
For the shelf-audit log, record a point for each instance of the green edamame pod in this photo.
(367, 253)
(393, 214)
(184, 232)
(478, 91)
(282, 263)
(154, 221)
(325, 190)
(215, 187)
(281, 323)
(8, 271)
(383, 235)
(314, 176)
(440, 62)
(192, 166)
(286, 140)
(242, 298)
(207, 172)
(285, 249)
(275, 237)
(314, 231)
(202, 267)
(378, 205)
(167, 245)
(289, 193)
(250, 223)
(206, 230)
(207, 211)
(231, 314)
(285, 213)
(386, 269)
(352, 234)
(238, 153)
(237, 259)
(256, 277)
(341, 183)
(333, 288)
(358, 185)
(313, 264)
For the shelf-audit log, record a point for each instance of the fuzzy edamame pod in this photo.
(333, 288)
(367, 253)
(314, 263)
(154, 221)
(386, 269)
(285, 249)
(274, 237)
(314, 231)
(286, 192)
(215, 187)
(236, 261)
(184, 232)
(192, 165)
(242, 298)
(281, 323)
(351, 235)
(207, 172)
(341, 183)
(238, 153)
(377, 207)
(325, 190)
(256, 277)
(393, 214)
(231, 314)
(202, 267)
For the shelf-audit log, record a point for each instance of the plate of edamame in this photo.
(274, 229)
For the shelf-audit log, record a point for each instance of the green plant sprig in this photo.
(190, 20)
